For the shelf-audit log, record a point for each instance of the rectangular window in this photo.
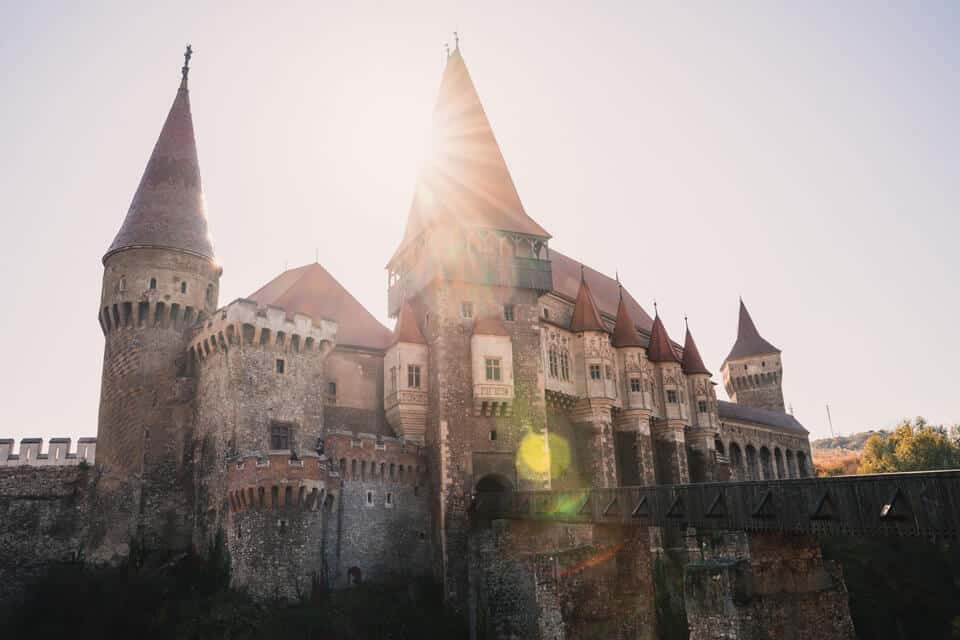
(466, 309)
(393, 378)
(413, 376)
(280, 365)
(564, 365)
(279, 436)
(594, 372)
(493, 434)
(508, 312)
(332, 388)
(702, 405)
(552, 357)
(493, 369)
(671, 396)
(635, 385)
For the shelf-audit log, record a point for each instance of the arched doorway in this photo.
(493, 483)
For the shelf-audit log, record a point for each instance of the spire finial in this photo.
(686, 323)
(619, 284)
(456, 41)
(656, 312)
(446, 46)
(583, 279)
(185, 69)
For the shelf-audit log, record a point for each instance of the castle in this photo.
(330, 450)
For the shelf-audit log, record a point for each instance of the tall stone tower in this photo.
(471, 267)
(753, 372)
(159, 278)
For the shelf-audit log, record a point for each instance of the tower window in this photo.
(493, 434)
(183, 287)
(210, 294)
(466, 309)
(552, 358)
(546, 313)
(389, 500)
(153, 283)
(332, 389)
(493, 369)
(595, 372)
(280, 365)
(508, 312)
(280, 436)
(413, 376)
(672, 397)
(702, 406)
(393, 379)
(122, 285)
(564, 365)
(609, 372)
(635, 385)
(369, 498)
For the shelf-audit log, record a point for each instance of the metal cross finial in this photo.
(655, 312)
(582, 277)
(685, 322)
(456, 41)
(185, 69)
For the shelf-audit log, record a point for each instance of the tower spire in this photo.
(660, 348)
(749, 341)
(167, 210)
(692, 363)
(586, 315)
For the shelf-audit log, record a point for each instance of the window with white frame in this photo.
(595, 372)
(466, 309)
(672, 396)
(413, 376)
(493, 369)
(635, 386)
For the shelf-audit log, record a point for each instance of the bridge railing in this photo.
(924, 504)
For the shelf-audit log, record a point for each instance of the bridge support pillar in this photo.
(765, 585)
(702, 454)
(671, 452)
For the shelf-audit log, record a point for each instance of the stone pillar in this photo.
(671, 452)
(781, 587)
(634, 448)
(702, 454)
(595, 440)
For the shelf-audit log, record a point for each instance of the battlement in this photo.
(276, 480)
(244, 322)
(368, 457)
(148, 313)
(58, 452)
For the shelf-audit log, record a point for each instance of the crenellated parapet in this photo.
(58, 452)
(278, 481)
(370, 458)
(244, 323)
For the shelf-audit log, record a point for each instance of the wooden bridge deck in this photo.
(922, 504)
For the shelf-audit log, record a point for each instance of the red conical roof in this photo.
(586, 316)
(490, 326)
(749, 342)
(465, 182)
(692, 362)
(624, 331)
(167, 210)
(660, 348)
(407, 329)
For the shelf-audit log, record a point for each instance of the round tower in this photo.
(159, 279)
(753, 372)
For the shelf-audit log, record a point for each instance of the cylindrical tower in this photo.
(160, 277)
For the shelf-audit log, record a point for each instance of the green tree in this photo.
(913, 446)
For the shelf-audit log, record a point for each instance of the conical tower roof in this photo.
(624, 331)
(692, 363)
(660, 348)
(465, 182)
(407, 329)
(167, 210)
(586, 316)
(749, 341)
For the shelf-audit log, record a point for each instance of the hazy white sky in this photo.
(805, 157)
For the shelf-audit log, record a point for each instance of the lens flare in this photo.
(540, 455)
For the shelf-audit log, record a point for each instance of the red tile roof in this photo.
(407, 329)
(749, 342)
(660, 349)
(692, 362)
(586, 316)
(625, 331)
(312, 290)
(167, 210)
(489, 326)
(466, 181)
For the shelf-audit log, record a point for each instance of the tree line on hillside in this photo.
(915, 445)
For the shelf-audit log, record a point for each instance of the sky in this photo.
(802, 155)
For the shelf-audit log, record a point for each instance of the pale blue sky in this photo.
(804, 156)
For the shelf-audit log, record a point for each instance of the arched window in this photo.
(778, 459)
(765, 466)
(718, 445)
(791, 465)
(752, 472)
(153, 283)
(553, 361)
(183, 286)
(802, 464)
(736, 461)
(564, 365)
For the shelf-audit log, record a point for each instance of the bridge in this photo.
(920, 504)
